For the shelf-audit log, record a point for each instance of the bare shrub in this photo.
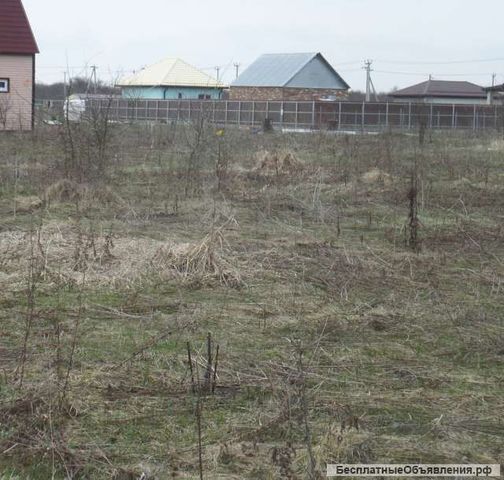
(86, 141)
(5, 108)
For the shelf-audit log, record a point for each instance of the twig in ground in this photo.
(189, 359)
(214, 383)
(208, 372)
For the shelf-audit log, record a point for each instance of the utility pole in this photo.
(66, 84)
(369, 81)
(367, 67)
(93, 76)
(217, 69)
(237, 68)
(494, 76)
(92, 80)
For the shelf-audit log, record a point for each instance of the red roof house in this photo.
(17, 67)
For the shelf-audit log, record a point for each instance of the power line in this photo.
(448, 62)
(420, 74)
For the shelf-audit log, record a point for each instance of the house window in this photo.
(179, 95)
(4, 85)
(202, 96)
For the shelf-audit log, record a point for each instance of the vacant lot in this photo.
(178, 301)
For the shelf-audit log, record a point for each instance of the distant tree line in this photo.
(56, 91)
(359, 96)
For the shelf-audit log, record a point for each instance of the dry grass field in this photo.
(181, 302)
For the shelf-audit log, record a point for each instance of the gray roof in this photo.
(278, 69)
(442, 88)
(495, 88)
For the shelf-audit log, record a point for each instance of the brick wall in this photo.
(16, 106)
(284, 94)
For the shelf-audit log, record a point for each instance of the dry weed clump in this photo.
(64, 191)
(281, 162)
(497, 146)
(28, 204)
(377, 177)
(200, 261)
(63, 252)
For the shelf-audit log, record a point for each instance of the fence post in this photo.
(296, 122)
(474, 118)
(431, 116)
(453, 116)
(409, 116)
(339, 116)
(363, 114)
(313, 115)
(239, 113)
(387, 115)
(226, 113)
(253, 113)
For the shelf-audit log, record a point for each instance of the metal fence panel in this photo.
(291, 115)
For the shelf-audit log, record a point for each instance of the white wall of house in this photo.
(16, 104)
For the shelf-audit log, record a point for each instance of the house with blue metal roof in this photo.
(169, 79)
(289, 76)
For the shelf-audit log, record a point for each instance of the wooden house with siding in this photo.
(17, 67)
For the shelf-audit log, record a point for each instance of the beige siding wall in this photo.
(16, 106)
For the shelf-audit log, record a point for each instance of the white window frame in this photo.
(5, 89)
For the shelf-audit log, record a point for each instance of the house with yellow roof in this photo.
(171, 79)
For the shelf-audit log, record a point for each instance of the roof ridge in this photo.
(175, 60)
(290, 53)
(427, 85)
(313, 55)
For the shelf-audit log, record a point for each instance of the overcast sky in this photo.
(407, 39)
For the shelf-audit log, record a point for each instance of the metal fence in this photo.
(294, 115)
